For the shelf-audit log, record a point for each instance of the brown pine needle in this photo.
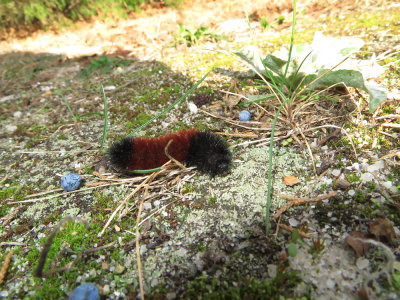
(5, 266)
(291, 229)
(294, 201)
(125, 201)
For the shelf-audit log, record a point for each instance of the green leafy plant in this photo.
(192, 36)
(317, 246)
(264, 23)
(295, 241)
(303, 70)
(280, 20)
(312, 67)
(287, 142)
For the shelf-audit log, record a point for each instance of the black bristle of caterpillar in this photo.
(209, 153)
(120, 153)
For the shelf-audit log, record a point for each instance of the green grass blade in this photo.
(271, 146)
(58, 91)
(271, 142)
(146, 171)
(105, 118)
(291, 42)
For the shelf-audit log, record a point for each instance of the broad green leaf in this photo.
(274, 63)
(377, 95)
(351, 78)
(295, 235)
(348, 77)
(292, 249)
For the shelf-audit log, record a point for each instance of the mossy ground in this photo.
(211, 244)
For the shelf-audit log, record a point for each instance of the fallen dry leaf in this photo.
(290, 180)
(382, 227)
(354, 240)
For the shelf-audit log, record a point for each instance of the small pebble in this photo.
(244, 115)
(17, 114)
(106, 289)
(147, 206)
(192, 108)
(71, 181)
(342, 184)
(362, 263)
(293, 222)
(380, 164)
(119, 269)
(365, 177)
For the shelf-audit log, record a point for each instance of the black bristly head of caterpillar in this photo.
(209, 153)
(120, 153)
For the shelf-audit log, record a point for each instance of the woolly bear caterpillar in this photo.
(202, 149)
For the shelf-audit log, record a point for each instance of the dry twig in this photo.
(294, 201)
(7, 219)
(125, 201)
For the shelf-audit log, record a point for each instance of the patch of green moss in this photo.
(371, 186)
(52, 218)
(49, 288)
(187, 188)
(116, 254)
(102, 200)
(360, 197)
(352, 177)
(140, 119)
(200, 62)
(212, 199)
(27, 68)
(73, 234)
(207, 287)
(4, 210)
(368, 22)
(16, 192)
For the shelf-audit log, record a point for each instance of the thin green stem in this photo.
(271, 141)
(291, 42)
(271, 145)
(67, 104)
(146, 171)
(105, 118)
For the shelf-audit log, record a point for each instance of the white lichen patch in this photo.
(247, 184)
(237, 212)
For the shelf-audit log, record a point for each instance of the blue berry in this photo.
(244, 115)
(86, 291)
(71, 181)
